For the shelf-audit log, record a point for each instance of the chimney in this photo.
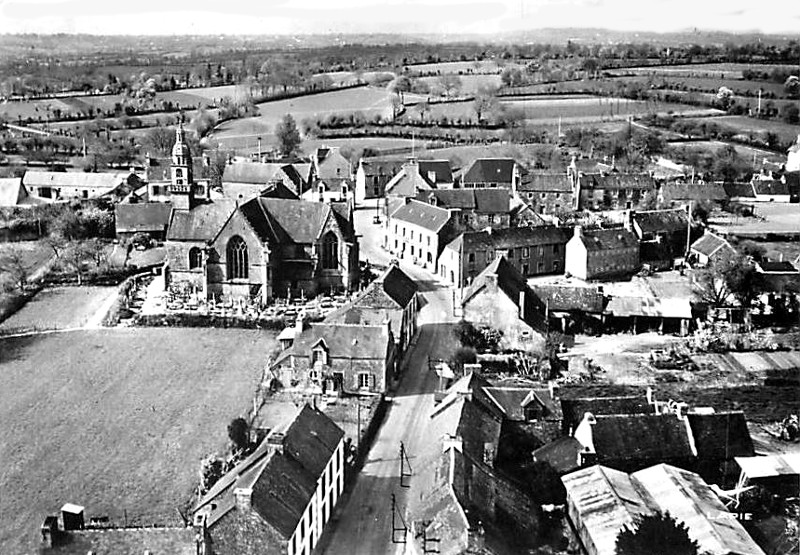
(522, 304)
(49, 530)
(243, 498)
(551, 386)
(649, 394)
(432, 177)
(72, 517)
(628, 220)
(275, 441)
(299, 325)
(578, 231)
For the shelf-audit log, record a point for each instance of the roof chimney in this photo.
(578, 231)
(243, 498)
(275, 441)
(522, 306)
(72, 517)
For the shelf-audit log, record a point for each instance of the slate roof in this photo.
(777, 266)
(627, 306)
(408, 182)
(640, 437)
(490, 170)
(574, 409)
(201, 223)
(125, 541)
(386, 168)
(289, 220)
(613, 181)
(394, 289)
(144, 217)
(568, 298)
(282, 482)
(693, 191)
(563, 454)
(74, 179)
(609, 239)
(709, 244)
(721, 436)
(739, 190)
(770, 187)
(439, 169)
(662, 221)
(513, 237)
(343, 341)
(422, 214)
(513, 400)
(535, 182)
(485, 201)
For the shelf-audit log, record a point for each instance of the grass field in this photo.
(743, 124)
(60, 308)
(746, 152)
(716, 70)
(470, 84)
(116, 420)
(778, 218)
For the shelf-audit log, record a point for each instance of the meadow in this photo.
(745, 125)
(720, 70)
(60, 308)
(116, 420)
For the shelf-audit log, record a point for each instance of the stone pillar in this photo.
(266, 281)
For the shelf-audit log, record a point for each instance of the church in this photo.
(261, 249)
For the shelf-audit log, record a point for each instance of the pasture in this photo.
(724, 70)
(116, 420)
(470, 84)
(745, 125)
(62, 308)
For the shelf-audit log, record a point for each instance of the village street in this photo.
(362, 523)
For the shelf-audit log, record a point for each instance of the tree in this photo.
(484, 103)
(511, 77)
(451, 84)
(727, 277)
(239, 434)
(211, 470)
(17, 264)
(724, 97)
(75, 257)
(790, 113)
(792, 86)
(657, 534)
(288, 136)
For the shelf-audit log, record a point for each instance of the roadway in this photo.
(362, 523)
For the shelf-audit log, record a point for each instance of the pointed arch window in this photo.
(330, 251)
(237, 259)
(195, 258)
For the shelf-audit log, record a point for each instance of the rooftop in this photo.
(709, 244)
(663, 221)
(609, 239)
(148, 216)
(510, 238)
(422, 214)
(490, 170)
(345, 341)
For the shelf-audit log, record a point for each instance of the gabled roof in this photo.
(282, 481)
(486, 201)
(574, 409)
(74, 179)
(693, 191)
(568, 298)
(393, 289)
(662, 221)
(641, 437)
(563, 454)
(144, 217)
(385, 168)
(513, 401)
(344, 341)
(290, 220)
(709, 244)
(608, 239)
(640, 181)
(201, 223)
(510, 238)
(490, 170)
(722, 435)
(125, 541)
(436, 172)
(408, 182)
(422, 214)
(14, 193)
(537, 182)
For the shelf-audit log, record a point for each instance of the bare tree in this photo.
(75, 257)
(18, 266)
(450, 83)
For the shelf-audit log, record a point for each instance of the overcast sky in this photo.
(362, 16)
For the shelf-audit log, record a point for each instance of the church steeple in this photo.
(181, 172)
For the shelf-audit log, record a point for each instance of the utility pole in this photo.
(403, 463)
(395, 528)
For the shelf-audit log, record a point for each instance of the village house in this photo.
(533, 251)
(79, 185)
(499, 297)
(419, 175)
(602, 502)
(280, 498)
(768, 189)
(392, 297)
(329, 163)
(418, 231)
(710, 247)
(680, 194)
(243, 180)
(505, 173)
(547, 193)
(372, 177)
(150, 218)
(740, 192)
(14, 193)
(335, 358)
(330, 189)
(477, 208)
(614, 191)
(465, 502)
(602, 253)
(68, 533)
(663, 236)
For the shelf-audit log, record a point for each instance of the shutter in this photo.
(372, 382)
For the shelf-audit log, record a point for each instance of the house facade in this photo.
(281, 497)
(532, 251)
(372, 177)
(614, 191)
(710, 247)
(329, 163)
(601, 253)
(547, 193)
(477, 208)
(418, 231)
(79, 185)
(335, 358)
(504, 173)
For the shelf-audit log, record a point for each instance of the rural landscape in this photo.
(392, 292)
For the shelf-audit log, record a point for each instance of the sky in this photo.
(160, 17)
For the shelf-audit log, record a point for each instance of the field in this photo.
(774, 218)
(742, 124)
(116, 420)
(62, 308)
(470, 84)
(746, 152)
(717, 70)
(243, 133)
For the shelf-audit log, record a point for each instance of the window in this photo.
(430, 258)
(555, 249)
(412, 250)
(525, 268)
(319, 355)
(195, 258)
(541, 250)
(237, 261)
(330, 251)
(489, 255)
(429, 240)
(365, 380)
(471, 258)
(395, 229)
(555, 266)
(412, 234)
(179, 181)
(178, 172)
(511, 254)
(540, 267)
(525, 252)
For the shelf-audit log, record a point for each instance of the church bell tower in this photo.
(181, 182)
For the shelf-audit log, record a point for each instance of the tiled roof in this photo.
(439, 169)
(722, 435)
(201, 223)
(148, 216)
(490, 170)
(486, 201)
(513, 237)
(343, 341)
(609, 239)
(641, 181)
(662, 221)
(739, 190)
(546, 183)
(567, 298)
(693, 191)
(125, 541)
(709, 244)
(640, 437)
(574, 409)
(770, 187)
(422, 214)
(282, 482)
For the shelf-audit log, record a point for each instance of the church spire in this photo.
(181, 172)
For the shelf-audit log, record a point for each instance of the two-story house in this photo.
(504, 173)
(477, 208)
(663, 235)
(602, 253)
(547, 193)
(614, 191)
(418, 231)
(372, 177)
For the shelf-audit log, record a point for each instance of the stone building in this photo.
(602, 253)
(418, 231)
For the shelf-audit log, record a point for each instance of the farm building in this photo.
(710, 247)
(778, 473)
(151, 218)
(532, 251)
(499, 297)
(504, 173)
(418, 231)
(280, 498)
(601, 502)
(338, 358)
(767, 189)
(14, 193)
(575, 409)
(740, 192)
(662, 236)
(244, 179)
(680, 194)
(602, 253)
(571, 307)
(79, 185)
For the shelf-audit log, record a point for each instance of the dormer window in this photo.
(319, 355)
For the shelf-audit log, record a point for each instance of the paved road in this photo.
(363, 521)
